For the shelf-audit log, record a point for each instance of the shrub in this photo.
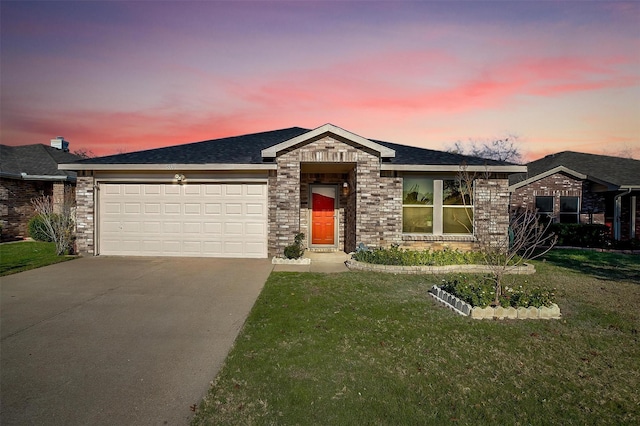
(37, 229)
(480, 291)
(403, 257)
(295, 250)
(582, 235)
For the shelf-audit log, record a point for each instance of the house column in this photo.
(491, 211)
(85, 215)
(284, 206)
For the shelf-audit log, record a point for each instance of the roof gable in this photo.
(614, 172)
(273, 151)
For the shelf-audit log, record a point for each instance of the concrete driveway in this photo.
(115, 340)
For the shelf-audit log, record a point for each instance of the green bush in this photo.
(480, 291)
(582, 235)
(37, 229)
(404, 257)
(295, 250)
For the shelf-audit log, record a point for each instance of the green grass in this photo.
(367, 348)
(18, 257)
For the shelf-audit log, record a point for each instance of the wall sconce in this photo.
(345, 188)
(180, 178)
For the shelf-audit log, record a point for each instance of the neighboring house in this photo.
(573, 187)
(27, 172)
(247, 196)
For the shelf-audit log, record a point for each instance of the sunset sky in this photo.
(118, 76)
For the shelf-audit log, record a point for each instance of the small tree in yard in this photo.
(528, 237)
(57, 220)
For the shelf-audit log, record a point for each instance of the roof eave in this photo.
(452, 168)
(273, 151)
(143, 167)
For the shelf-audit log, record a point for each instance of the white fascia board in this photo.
(559, 169)
(215, 166)
(272, 151)
(452, 168)
(54, 178)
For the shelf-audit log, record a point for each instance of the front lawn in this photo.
(22, 256)
(370, 348)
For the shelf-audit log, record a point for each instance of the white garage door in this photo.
(200, 220)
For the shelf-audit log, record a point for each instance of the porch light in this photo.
(179, 177)
(345, 188)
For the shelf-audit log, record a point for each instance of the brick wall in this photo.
(85, 215)
(372, 212)
(491, 211)
(592, 204)
(15, 203)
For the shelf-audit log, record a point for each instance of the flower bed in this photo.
(463, 308)
(525, 269)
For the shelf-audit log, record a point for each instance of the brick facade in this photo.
(85, 215)
(592, 204)
(375, 201)
(491, 211)
(15, 203)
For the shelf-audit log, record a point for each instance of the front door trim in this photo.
(336, 219)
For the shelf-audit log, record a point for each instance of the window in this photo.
(569, 209)
(435, 206)
(544, 207)
(417, 205)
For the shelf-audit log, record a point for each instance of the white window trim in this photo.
(438, 211)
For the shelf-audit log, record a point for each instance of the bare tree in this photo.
(505, 149)
(528, 237)
(84, 153)
(57, 220)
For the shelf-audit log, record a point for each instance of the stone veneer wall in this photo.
(592, 204)
(378, 213)
(85, 215)
(491, 211)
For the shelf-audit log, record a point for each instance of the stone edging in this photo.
(463, 308)
(526, 269)
(283, 261)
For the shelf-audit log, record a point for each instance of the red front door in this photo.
(323, 215)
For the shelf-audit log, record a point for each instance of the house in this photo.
(247, 196)
(27, 172)
(574, 187)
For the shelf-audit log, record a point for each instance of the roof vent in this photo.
(60, 143)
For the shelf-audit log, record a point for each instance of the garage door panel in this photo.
(234, 209)
(213, 228)
(171, 227)
(132, 190)
(192, 228)
(192, 208)
(213, 208)
(176, 220)
(152, 208)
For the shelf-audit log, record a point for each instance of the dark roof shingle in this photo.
(35, 160)
(614, 170)
(246, 149)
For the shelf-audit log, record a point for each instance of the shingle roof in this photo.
(246, 149)
(35, 160)
(614, 170)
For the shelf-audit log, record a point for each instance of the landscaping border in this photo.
(475, 312)
(283, 261)
(526, 269)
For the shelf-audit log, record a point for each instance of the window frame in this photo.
(575, 213)
(540, 213)
(438, 207)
